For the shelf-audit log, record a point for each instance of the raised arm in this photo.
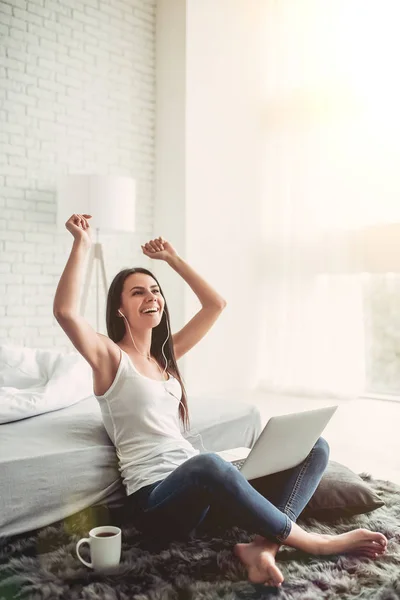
(68, 289)
(212, 303)
(93, 346)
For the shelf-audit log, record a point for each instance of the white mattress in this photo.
(56, 464)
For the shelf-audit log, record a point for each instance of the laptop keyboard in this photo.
(239, 463)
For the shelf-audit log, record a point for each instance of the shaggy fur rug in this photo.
(43, 565)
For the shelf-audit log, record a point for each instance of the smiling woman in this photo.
(168, 482)
(134, 294)
(137, 315)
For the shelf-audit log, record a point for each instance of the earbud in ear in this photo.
(122, 315)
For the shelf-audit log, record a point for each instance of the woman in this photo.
(141, 395)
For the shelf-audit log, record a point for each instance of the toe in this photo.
(369, 553)
(272, 583)
(380, 539)
(376, 546)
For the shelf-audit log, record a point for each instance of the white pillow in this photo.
(34, 381)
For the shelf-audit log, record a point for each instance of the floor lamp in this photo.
(111, 202)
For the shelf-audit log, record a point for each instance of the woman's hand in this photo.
(79, 226)
(160, 249)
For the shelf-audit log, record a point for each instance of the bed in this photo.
(57, 463)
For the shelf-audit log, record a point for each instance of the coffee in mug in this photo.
(105, 547)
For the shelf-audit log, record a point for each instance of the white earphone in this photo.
(165, 358)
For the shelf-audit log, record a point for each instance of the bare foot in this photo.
(259, 558)
(359, 541)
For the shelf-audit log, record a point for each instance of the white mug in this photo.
(105, 550)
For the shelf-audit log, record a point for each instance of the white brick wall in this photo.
(77, 94)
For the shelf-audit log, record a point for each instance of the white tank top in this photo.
(142, 420)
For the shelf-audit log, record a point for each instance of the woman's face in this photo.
(139, 294)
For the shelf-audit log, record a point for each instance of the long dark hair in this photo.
(116, 331)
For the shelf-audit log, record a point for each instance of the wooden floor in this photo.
(364, 435)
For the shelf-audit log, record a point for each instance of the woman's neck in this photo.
(130, 349)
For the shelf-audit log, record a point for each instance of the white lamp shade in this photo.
(110, 200)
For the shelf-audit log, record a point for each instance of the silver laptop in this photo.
(284, 443)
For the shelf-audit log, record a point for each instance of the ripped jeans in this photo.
(267, 506)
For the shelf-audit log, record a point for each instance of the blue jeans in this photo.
(173, 507)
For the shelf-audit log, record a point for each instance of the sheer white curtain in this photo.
(332, 152)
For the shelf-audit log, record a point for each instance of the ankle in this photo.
(312, 543)
(319, 544)
(259, 540)
(266, 543)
